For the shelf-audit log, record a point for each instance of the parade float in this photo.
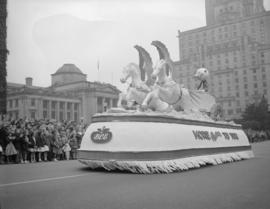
(164, 127)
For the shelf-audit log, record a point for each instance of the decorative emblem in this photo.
(101, 136)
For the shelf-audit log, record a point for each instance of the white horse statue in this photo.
(138, 90)
(167, 90)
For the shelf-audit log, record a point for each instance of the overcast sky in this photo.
(45, 34)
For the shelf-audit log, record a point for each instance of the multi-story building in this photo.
(70, 97)
(235, 47)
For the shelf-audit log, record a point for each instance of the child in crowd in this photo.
(40, 145)
(45, 138)
(19, 137)
(25, 147)
(57, 146)
(32, 147)
(66, 148)
(10, 148)
(73, 142)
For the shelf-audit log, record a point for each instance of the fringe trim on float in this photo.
(168, 166)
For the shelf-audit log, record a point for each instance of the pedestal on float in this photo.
(158, 143)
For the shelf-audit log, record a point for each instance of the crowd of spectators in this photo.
(29, 141)
(257, 135)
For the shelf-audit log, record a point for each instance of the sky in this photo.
(43, 35)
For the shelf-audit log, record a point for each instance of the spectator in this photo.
(25, 143)
(32, 147)
(10, 148)
(66, 148)
(40, 144)
(73, 142)
(46, 146)
(3, 141)
(57, 146)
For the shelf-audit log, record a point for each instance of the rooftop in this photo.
(68, 68)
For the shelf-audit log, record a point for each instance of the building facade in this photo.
(235, 47)
(70, 97)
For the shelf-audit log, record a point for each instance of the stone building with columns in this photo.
(69, 98)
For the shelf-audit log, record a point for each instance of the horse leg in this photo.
(148, 98)
(138, 96)
(122, 97)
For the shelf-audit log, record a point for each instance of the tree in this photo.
(256, 116)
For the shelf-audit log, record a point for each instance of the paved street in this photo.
(68, 184)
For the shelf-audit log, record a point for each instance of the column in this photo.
(40, 108)
(49, 109)
(72, 111)
(103, 103)
(65, 111)
(57, 110)
(111, 103)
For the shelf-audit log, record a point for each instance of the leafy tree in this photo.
(256, 116)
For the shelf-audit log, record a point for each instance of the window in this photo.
(45, 114)
(68, 116)
(53, 105)
(16, 102)
(33, 114)
(75, 116)
(76, 106)
(61, 117)
(255, 85)
(62, 105)
(10, 103)
(33, 102)
(230, 112)
(45, 104)
(53, 115)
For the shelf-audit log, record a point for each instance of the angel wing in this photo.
(165, 55)
(145, 65)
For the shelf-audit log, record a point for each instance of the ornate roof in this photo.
(68, 68)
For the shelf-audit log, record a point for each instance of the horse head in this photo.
(131, 70)
(161, 70)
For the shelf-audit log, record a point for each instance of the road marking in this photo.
(41, 180)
